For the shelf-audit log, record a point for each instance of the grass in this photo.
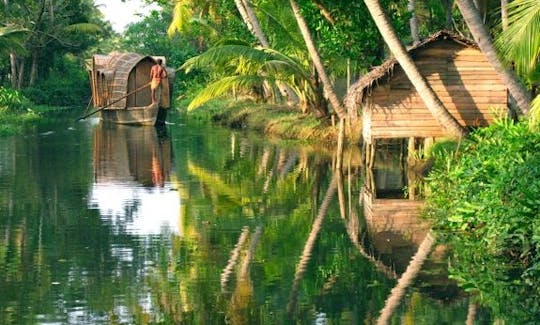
(273, 120)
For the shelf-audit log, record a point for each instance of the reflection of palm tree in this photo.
(306, 253)
(389, 272)
(393, 300)
(235, 253)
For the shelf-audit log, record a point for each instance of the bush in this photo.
(484, 203)
(66, 85)
(12, 100)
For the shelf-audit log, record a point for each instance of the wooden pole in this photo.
(114, 102)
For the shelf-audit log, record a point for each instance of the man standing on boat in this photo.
(156, 74)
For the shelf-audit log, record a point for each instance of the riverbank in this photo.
(275, 121)
(13, 122)
(18, 113)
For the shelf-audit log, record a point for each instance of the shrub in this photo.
(483, 200)
(12, 100)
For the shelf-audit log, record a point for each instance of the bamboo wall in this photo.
(462, 78)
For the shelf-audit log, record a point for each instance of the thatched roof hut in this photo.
(457, 71)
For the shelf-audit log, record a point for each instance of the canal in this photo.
(195, 224)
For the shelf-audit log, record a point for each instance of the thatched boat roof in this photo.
(357, 91)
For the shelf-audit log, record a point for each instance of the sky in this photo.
(122, 13)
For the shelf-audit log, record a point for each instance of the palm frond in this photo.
(223, 55)
(224, 85)
(535, 112)
(11, 40)
(520, 43)
(181, 17)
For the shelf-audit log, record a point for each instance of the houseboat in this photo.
(120, 84)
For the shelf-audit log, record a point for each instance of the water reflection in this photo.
(392, 215)
(270, 233)
(132, 186)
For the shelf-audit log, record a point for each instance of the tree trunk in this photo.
(485, 43)
(33, 68)
(504, 14)
(21, 63)
(413, 22)
(317, 62)
(14, 72)
(448, 11)
(433, 103)
(251, 21)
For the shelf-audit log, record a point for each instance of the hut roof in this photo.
(359, 88)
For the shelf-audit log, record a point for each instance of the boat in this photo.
(120, 84)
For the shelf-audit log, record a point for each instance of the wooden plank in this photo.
(391, 134)
(452, 108)
(469, 115)
(424, 124)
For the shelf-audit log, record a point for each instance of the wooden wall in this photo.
(462, 78)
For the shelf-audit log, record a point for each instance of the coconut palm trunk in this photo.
(504, 14)
(433, 103)
(317, 62)
(485, 43)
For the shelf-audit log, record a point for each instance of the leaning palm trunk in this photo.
(317, 62)
(252, 23)
(485, 43)
(433, 103)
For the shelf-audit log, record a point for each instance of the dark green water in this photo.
(201, 225)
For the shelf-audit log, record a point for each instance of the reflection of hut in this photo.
(120, 81)
(123, 153)
(457, 71)
(392, 216)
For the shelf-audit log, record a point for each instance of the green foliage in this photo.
(12, 100)
(67, 84)
(15, 112)
(520, 44)
(47, 29)
(484, 200)
(353, 34)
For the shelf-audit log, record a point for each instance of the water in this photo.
(202, 225)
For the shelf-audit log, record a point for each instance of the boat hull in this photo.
(147, 115)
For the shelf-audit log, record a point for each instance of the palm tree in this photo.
(317, 62)
(485, 43)
(519, 43)
(245, 68)
(251, 21)
(433, 103)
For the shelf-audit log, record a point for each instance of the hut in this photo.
(458, 72)
(120, 83)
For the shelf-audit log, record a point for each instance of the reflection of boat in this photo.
(120, 82)
(132, 187)
(130, 154)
